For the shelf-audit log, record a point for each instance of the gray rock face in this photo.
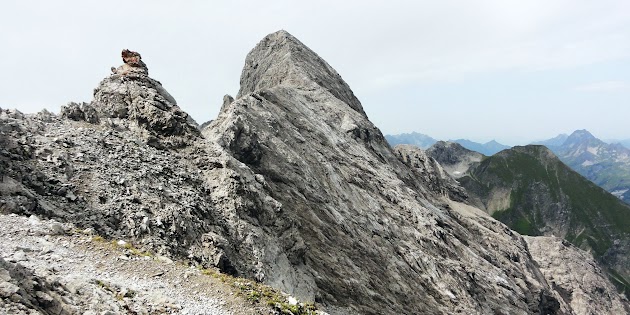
(21, 291)
(281, 59)
(454, 158)
(194, 202)
(431, 172)
(343, 191)
(291, 185)
(573, 273)
(141, 100)
(79, 112)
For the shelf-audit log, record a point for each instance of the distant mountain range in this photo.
(424, 141)
(533, 192)
(625, 143)
(418, 139)
(555, 141)
(488, 148)
(607, 165)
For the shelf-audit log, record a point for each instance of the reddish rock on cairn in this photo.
(132, 64)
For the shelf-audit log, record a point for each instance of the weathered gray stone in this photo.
(430, 172)
(344, 191)
(576, 277)
(454, 158)
(131, 94)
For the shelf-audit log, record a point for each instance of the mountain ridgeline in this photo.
(420, 140)
(424, 142)
(292, 186)
(532, 191)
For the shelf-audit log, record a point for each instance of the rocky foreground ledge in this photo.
(51, 268)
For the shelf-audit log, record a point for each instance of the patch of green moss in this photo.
(258, 293)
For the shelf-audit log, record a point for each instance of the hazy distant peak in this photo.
(555, 141)
(488, 148)
(581, 134)
(449, 144)
(421, 140)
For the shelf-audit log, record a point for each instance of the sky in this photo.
(514, 71)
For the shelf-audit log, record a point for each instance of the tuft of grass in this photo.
(258, 293)
(131, 249)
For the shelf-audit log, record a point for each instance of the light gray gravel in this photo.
(75, 274)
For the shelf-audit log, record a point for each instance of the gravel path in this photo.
(54, 269)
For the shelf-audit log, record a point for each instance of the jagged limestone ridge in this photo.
(361, 232)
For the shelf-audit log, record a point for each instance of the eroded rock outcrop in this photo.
(454, 158)
(576, 276)
(130, 94)
(430, 172)
(132, 64)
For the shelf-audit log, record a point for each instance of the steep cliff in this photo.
(358, 226)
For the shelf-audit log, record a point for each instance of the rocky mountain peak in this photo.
(580, 136)
(129, 98)
(607, 165)
(428, 170)
(281, 59)
(454, 158)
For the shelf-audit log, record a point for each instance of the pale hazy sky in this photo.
(514, 71)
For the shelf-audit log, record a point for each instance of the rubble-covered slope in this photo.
(147, 175)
